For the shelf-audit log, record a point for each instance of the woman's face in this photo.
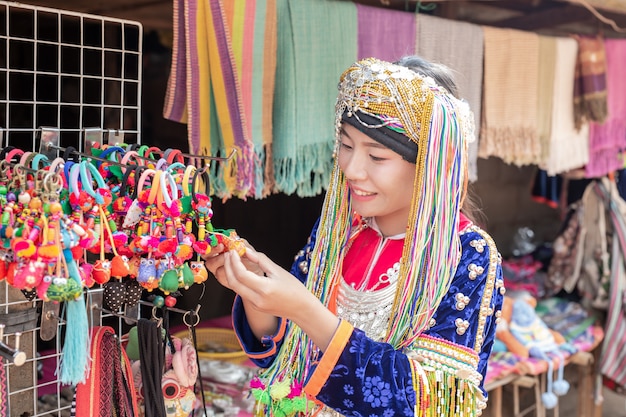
(380, 181)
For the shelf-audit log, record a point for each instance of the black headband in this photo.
(397, 142)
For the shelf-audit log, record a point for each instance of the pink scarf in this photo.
(606, 141)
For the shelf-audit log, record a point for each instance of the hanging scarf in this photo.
(385, 34)
(429, 259)
(440, 40)
(305, 94)
(607, 141)
(590, 81)
(509, 119)
(109, 389)
(568, 147)
(547, 65)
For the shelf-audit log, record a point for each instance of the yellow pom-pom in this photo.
(280, 389)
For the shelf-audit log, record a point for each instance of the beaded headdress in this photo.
(378, 95)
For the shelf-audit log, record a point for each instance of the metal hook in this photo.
(16, 356)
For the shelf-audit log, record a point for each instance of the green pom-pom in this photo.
(300, 404)
(187, 276)
(264, 397)
(288, 406)
(169, 281)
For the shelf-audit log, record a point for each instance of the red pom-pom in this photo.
(168, 246)
(202, 247)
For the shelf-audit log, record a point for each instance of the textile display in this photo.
(547, 189)
(569, 147)
(305, 93)
(109, 389)
(440, 40)
(4, 391)
(608, 140)
(613, 355)
(213, 88)
(547, 68)
(385, 34)
(509, 119)
(590, 92)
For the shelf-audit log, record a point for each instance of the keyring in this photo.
(188, 314)
(195, 184)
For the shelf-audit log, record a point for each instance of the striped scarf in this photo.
(213, 88)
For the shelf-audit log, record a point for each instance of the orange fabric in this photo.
(278, 336)
(329, 359)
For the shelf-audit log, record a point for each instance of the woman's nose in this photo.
(354, 168)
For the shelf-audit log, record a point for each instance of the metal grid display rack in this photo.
(72, 74)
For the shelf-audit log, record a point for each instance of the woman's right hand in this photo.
(261, 323)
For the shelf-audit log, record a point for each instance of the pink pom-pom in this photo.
(256, 383)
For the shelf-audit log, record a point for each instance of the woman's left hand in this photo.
(279, 293)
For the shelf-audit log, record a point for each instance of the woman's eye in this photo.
(345, 146)
(377, 158)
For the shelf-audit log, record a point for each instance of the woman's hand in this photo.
(214, 262)
(261, 323)
(277, 293)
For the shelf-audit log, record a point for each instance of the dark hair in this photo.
(439, 72)
(443, 77)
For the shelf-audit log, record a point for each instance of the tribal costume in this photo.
(418, 311)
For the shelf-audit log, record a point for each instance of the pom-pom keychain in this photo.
(101, 272)
(147, 274)
(200, 273)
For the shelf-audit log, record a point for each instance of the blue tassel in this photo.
(75, 360)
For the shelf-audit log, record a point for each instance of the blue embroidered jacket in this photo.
(357, 376)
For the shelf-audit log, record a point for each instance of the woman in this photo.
(391, 307)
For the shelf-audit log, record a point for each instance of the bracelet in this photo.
(73, 178)
(37, 159)
(142, 179)
(13, 153)
(154, 152)
(154, 188)
(172, 155)
(4, 151)
(111, 150)
(56, 163)
(185, 184)
(71, 152)
(161, 164)
(87, 180)
(168, 179)
(24, 159)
